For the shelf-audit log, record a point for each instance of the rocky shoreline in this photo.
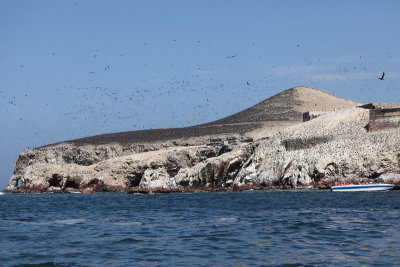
(334, 148)
(144, 191)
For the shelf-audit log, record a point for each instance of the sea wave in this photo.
(227, 220)
(127, 240)
(127, 223)
(50, 264)
(70, 221)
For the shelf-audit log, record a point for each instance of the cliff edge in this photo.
(267, 145)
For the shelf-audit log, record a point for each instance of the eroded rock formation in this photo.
(332, 149)
(266, 146)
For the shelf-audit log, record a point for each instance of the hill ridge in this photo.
(287, 106)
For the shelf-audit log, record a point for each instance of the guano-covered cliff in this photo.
(265, 146)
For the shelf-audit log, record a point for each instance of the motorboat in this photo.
(362, 187)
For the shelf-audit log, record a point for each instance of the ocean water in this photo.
(253, 228)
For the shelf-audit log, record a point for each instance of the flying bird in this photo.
(383, 77)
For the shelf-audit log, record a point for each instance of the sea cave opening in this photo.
(134, 180)
(72, 184)
(18, 182)
(55, 180)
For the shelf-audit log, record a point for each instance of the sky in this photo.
(70, 69)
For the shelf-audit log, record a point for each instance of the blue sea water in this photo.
(253, 228)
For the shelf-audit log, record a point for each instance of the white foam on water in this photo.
(70, 221)
(56, 222)
(127, 223)
(228, 219)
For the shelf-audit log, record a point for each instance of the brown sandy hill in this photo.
(289, 106)
(281, 109)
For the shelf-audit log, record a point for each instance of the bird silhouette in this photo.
(383, 77)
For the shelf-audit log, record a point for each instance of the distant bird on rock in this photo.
(383, 77)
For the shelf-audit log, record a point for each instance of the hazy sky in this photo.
(70, 69)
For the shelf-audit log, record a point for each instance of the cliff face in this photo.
(239, 151)
(66, 167)
(329, 150)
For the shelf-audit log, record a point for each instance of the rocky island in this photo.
(302, 137)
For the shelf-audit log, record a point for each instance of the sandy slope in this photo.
(273, 113)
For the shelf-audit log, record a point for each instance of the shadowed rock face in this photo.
(220, 155)
(303, 143)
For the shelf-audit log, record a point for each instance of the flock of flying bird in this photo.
(95, 102)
